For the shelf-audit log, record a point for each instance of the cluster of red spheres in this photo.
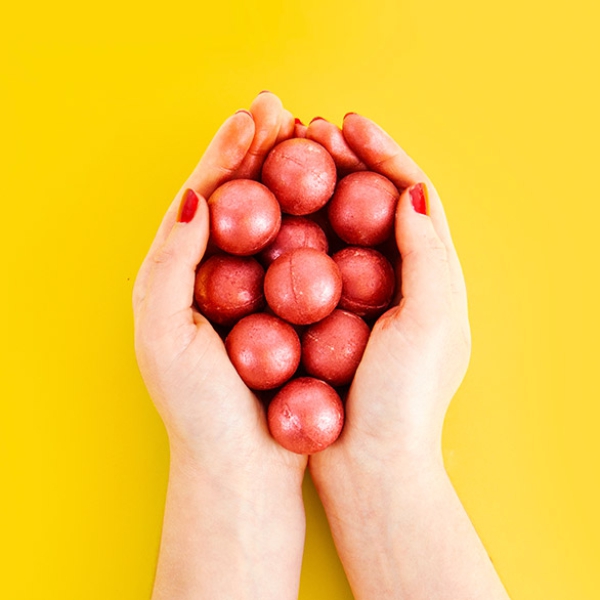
(302, 268)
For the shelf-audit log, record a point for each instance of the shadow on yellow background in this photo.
(106, 109)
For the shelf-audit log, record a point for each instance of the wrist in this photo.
(369, 512)
(358, 488)
(251, 475)
(241, 526)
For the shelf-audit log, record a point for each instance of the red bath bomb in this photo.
(295, 232)
(303, 286)
(333, 347)
(368, 280)
(264, 349)
(306, 416)
(301, 174)
(229, 287)
(363, 207)
(244, 217)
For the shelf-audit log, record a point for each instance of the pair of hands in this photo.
(415, 359)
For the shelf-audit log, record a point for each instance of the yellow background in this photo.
(105, 109)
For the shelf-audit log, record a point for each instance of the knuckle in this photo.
(164, 255)
(437, 249)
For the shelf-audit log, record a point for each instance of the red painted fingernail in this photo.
(188, 206)
(264, 92)
(298, 121)
(419, 198)
(243, 110)
(317, 119)
(348, 114)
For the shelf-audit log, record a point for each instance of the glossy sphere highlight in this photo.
(301, 174)
(333, 347)
(368, 280)
(244, 217)
(363, 207)
(228, 288)
(303, 286)
(295, 232)
(306, 416)
(264, 350)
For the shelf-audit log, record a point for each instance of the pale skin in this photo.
(234, 518)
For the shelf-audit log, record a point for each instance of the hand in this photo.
(208, 411)
(234, 512)
(400, 529)
(419, 350)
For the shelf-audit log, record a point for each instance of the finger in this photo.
(427, 284)
(287, 125)
(382, 154)
(266, 110)
(170, 287)
(330, 136)
(300, 129)
(223, 156)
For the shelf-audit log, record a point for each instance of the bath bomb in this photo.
(228, 288)
(303, 286)
(264, 349)
(301, 174)
(306, 415)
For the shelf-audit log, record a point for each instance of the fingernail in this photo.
(243, 110)
(348, 114)
(298, 121)
(188, 206)
(419, 198)
(264, 92)
(317, 119)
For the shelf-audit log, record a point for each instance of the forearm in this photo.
(406, 536)
(228, 538)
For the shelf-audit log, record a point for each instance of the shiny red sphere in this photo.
(368, 280)
(228, 288)
(332, 348)
(363, 208)
(303, 286)
(301, 174)
(295, 232)
(244, 217)
(306, 416)
(264, 349)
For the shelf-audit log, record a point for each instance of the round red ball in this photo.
(301, 174)
(264, 349)
(368, 280)
(295, 232)
(332, 348)
(303, 286)
(228, 288)
(306, 416)
(363, 207)
(244, 217)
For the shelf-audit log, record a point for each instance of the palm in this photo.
(236, 415)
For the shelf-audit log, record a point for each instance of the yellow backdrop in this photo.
(105, 109)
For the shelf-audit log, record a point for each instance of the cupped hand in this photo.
(209, 413)
(419, 350)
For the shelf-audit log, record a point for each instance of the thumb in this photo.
(425, 268)
(173, 265)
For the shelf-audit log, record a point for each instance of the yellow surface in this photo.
(106, 107)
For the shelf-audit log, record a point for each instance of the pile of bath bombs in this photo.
(300, 269)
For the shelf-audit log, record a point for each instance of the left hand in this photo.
(210, 415)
